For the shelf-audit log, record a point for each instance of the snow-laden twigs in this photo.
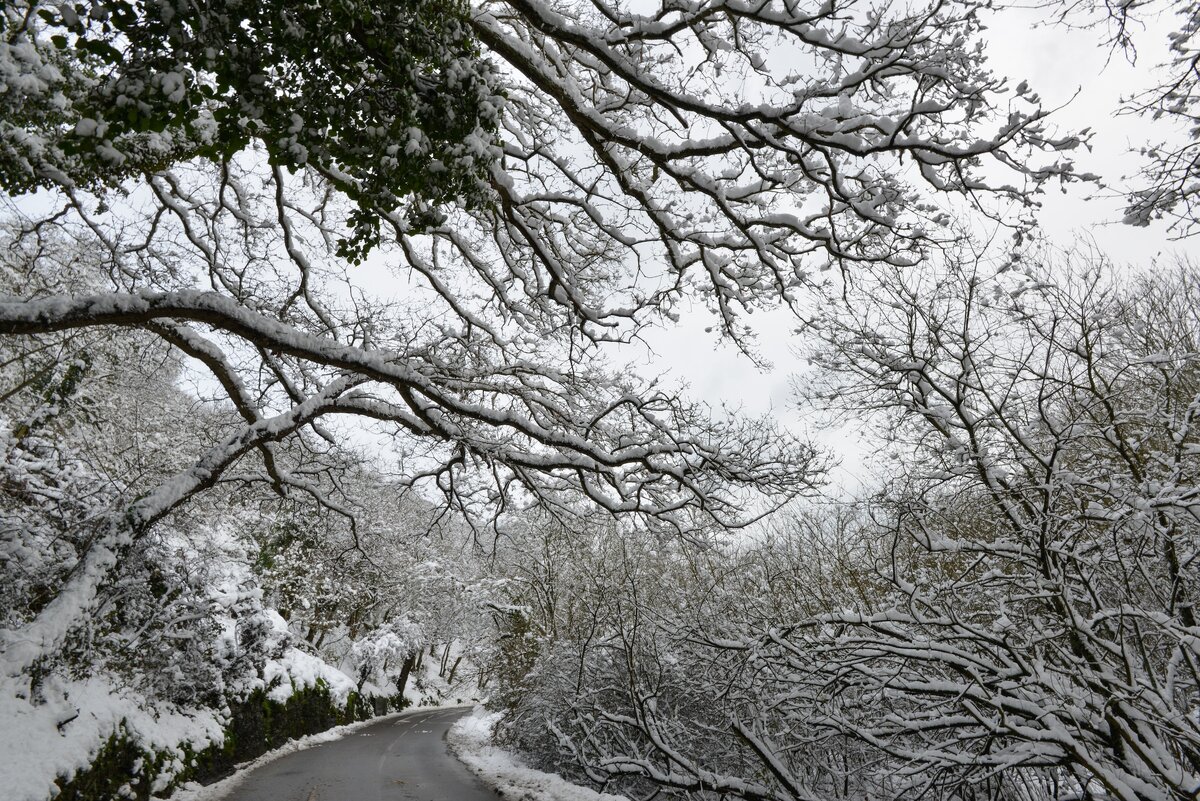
(120, 528)
(1012, 616)
(742, 144)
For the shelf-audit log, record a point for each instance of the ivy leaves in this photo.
(389, 101)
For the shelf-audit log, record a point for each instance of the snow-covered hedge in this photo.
(146, 755)
(471, 741)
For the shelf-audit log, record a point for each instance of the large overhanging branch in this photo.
(621, 159)
(640, 449)
(558, 438)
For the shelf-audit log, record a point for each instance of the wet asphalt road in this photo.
(402, 758)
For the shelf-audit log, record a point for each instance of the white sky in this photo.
(1070, 68)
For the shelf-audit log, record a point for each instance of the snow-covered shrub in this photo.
(387, 655)
(1011, 617)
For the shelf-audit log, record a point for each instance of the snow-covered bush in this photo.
(1010, 617)
(126, 643)
(387, 655)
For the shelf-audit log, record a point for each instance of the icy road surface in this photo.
(400, 759)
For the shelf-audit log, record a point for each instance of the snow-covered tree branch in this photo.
(1011, 617)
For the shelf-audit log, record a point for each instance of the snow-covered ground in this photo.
(63, 733)
(66, 727)
(62, 730)
(470, 739)
(52, 728)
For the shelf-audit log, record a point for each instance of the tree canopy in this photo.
(609, 169)
(569, 175)
(395, 251)
(391, 102)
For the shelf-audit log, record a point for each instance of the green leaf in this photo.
(104, 50)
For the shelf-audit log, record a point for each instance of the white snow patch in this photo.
(296, 669)
(470, 739)
(67, 727)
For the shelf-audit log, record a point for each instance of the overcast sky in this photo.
(1069, 68)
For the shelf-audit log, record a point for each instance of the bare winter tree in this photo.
(1165, 187)
(1039, 632)
(1013, 617)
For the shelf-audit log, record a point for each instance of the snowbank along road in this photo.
(399, 759)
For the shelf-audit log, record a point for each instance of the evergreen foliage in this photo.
(391, 102)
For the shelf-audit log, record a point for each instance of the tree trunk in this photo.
(409, 663)
(453, 670)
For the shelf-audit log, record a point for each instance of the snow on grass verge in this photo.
(470, 739)
(48, 741)
(63, 732)
(217, 790)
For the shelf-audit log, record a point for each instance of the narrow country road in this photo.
(402, 758)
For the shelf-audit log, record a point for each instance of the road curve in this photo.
(402, 758)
